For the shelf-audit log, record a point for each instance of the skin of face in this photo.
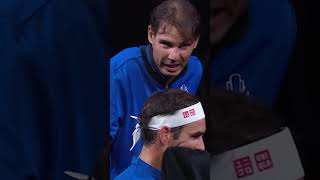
(223, 14)
(191, 136)
(171, 50)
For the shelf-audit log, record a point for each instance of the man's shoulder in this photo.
(128, 53)
(124, 58)
(126, 174)
(139, 170)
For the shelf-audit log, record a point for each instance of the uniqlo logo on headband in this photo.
(192, 112)
(243, 167)
(263, 160)
(189, 113)
(186, 114)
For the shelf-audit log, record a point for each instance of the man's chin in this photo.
(171, 73)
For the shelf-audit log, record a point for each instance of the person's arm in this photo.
(115, 106)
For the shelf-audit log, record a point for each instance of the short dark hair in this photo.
(166, 102)
(235, 120)
(178, 13)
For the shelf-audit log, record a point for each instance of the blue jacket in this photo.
(132, 80)
(256, 63)
(53, 87)
(139, 170)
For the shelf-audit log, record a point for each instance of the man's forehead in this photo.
(169, 29)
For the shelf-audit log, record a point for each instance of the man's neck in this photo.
(152, 155)
(169, 81)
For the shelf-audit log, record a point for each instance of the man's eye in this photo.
(184, 46)
(196, 136)
(166, 45)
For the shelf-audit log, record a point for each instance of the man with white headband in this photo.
(169, 118)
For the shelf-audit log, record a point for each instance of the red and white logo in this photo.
(186, 114)
(263, 160)
(192, 112)
(189, 113)
(243, 167)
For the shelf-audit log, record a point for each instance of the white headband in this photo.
(179, 118)
(275, 157)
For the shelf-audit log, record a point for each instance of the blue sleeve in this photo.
(116, 100)
(126, 174)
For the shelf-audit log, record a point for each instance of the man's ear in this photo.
(164, 134)
(151, 34)
(195, 43)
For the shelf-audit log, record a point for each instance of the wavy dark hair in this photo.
(180, 14)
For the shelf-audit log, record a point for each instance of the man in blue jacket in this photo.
(137, 72)
(171, 118)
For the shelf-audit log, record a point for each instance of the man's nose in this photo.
(200, 145)
(174, 54)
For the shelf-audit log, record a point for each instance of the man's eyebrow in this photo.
(162, 41)
(188, 41)
(197, 134)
